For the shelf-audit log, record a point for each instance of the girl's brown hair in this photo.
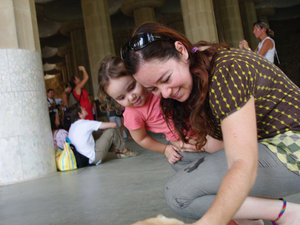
(193, 114)
(111, 67)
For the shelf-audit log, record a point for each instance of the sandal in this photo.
(125, 153)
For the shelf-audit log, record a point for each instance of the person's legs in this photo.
(191, 191)
(118, 140)
(118, 121)
(268, 209)
(187, 158)
(103, 144)
(122, 128)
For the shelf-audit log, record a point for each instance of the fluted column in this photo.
(66, 52)
(229, 19)
(98, 35)
(199, 20)
(249, 17)
(26, 145)
(142, 10)
(19, 25)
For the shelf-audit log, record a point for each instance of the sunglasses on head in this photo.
(139, 41)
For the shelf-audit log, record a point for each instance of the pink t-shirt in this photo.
(149, 116)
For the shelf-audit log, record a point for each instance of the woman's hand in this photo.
(186, 147)
(171, 152)
(82, 69)
(244, 45)
(85, 78)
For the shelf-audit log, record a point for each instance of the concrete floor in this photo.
(118, 192)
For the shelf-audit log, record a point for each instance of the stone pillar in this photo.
(142, 10)
(19, 25)
(199, 20)
(64, 73)
(229, 21)
(26, 145)
(98, 35)
(69, 64)
(248, 15)
(75, 30)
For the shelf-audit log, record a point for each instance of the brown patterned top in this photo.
(240, 74)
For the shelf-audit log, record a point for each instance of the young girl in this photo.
(142, 111)
(238, 97)
(81, 136)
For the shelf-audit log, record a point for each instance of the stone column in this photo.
(69, 63)
(75, 30)
(199, 20)
(64, 73)
(19, 29)
(26, 145)
(98, 35)
(229, 21)
(248, 15)
(142, 10)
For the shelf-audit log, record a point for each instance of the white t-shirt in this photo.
(80, 135)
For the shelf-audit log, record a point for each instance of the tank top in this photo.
(270, 53)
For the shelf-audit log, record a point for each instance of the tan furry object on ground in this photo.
(159, 220)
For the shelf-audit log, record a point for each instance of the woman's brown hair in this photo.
(193, 114)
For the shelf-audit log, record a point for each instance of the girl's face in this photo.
(126, 91)
(169, 78)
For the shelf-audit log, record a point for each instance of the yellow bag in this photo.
(65, 158)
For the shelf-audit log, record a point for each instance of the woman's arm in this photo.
(212, 145)
(85, 78)
(267, 45)
(141, 137)
(240, 140)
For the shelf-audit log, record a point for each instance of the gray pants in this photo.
(105, 139)
(191, 191)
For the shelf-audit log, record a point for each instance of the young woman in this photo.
(235, 96)
(80, 93)
(142, 111)
(266, 46)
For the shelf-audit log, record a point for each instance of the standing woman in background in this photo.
(81, 94)
(266, 46)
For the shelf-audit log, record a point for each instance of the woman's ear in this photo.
(182, 50)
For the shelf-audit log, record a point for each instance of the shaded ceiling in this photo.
(52, 14)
